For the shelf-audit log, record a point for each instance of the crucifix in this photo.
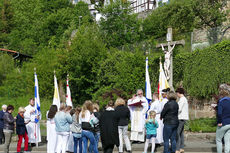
(168, 64)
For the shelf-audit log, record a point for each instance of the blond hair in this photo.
(171, 96)
(96, 106)
(62, 107)
(152, 115)
(21, 109)
(119, 102)
(88, 105)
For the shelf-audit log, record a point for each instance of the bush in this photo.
(201, 125)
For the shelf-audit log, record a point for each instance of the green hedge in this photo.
(201, 125)
(205, 69)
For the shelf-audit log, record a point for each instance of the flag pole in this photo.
(35, 132)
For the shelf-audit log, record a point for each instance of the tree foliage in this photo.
(118, 26)
(86, 51)
(206, 69)
(177, 14)
(6, 24)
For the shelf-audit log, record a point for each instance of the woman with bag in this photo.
(87, 128)
(76, 130)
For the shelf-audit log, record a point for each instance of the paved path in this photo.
(194, 143)
(198, 146)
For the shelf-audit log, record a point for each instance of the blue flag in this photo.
(36, 98)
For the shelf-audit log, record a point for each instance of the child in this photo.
(21, 130)
(76, 130)
(151, 126)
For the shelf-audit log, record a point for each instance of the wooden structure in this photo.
(19, 57)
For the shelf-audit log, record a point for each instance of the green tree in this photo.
(42, 23)
(119, 26)
(86, 51)
(177, 14)
(6, 66)
(6, 24)
(211, 14)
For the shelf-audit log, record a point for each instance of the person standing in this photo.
(8, 128)
(138, 109)
(33, 128)
(183, 116)
(76, 130)
(165, 99)
(157, 107)
(51, 131)
(62, 122)
(124, 117)
(169, 115)
(2, 112)
(223, 119)
(95, 123)
(21, 130)
(151, 126)
(87, 128)
(108, 124)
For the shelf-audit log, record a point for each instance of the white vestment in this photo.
(70, 144)
(164, 101)
(51, 136)
(157, 107)
(33, 128)
(138, 119)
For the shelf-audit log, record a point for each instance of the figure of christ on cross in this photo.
(167, 60)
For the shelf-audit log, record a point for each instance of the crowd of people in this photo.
(71, 129)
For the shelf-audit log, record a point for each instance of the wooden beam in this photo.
(180, 42)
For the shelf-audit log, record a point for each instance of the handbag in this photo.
(86, 126)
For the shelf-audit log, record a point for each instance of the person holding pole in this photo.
(32, 127)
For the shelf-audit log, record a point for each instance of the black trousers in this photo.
(2, 137)
(109, 149)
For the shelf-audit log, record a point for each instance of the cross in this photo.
(168, 54)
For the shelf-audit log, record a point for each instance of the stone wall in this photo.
(201, 108)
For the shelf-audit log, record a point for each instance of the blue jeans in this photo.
(77, 142)
(169, 132)
(87, 135)
(223, 132)
(97, 137)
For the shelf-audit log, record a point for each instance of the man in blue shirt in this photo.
(2, 112)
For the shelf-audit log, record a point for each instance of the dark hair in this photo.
(172, 96)
(180, 90)
(72, 112)
(166, 90)
(9, 107)
(110, 103)
(52, 111)
(31, 99)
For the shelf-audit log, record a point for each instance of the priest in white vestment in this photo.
(138, 113)
(157, 107)
(32, 127)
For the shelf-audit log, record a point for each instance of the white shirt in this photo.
(86, 118)
(183, 109)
